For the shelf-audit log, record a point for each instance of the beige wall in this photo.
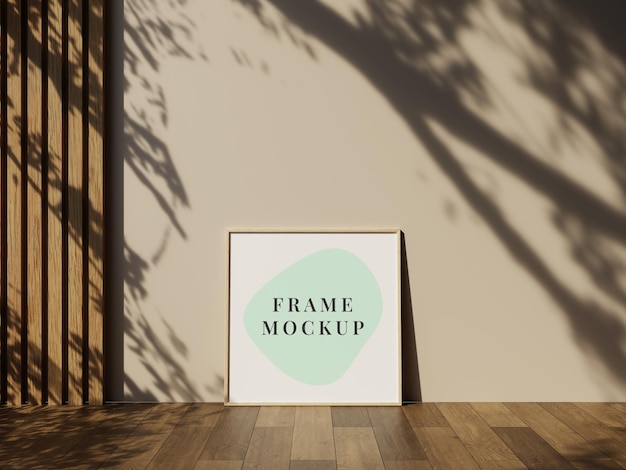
(491, 133)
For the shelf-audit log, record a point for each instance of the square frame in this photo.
(313, 318)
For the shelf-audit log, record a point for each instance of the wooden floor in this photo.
(421, 436)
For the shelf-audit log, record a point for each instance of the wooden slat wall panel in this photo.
(14, 202)
(51, 195)
(3, 182)
(96, 199)
(55, 202)
(34, 226)
(75, 298)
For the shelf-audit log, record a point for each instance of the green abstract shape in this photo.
(316, 347)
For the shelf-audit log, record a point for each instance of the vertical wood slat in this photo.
(96, 208)
(14, 202)
(34, 202)
(3, 222)
(76, 244)
(51, 193)
(55, 202)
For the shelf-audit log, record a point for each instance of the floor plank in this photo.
(596, 465)
(621, 407)
(444, 449)
(276, 416)
(531, 449)
(231, 436)
(502, 465)
(202, 414)
(148, 436)
(566, 441)
(270, 448)
(218, 465)
(607, 415)
(164, 416)
(394, 435)
(313, 465)
(407, 465)
(182, 448)
(357, 449)
(497, 415)
(38, 437)
(56, 436)
(125, 465)
(140, 446)
(175, 435)
(424, 414)
(11, 418)
(350, 416)
(620, 432)
(313, 434)
(109, 427)
(475, 434)
(604, 438)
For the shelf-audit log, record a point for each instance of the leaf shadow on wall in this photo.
(153, 32)
(396, 45)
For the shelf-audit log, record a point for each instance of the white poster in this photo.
(314, 318)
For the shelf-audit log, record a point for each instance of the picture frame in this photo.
(313, 318)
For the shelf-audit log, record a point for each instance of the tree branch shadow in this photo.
(391, 46)
(154, 31)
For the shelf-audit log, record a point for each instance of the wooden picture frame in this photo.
(313, 318)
